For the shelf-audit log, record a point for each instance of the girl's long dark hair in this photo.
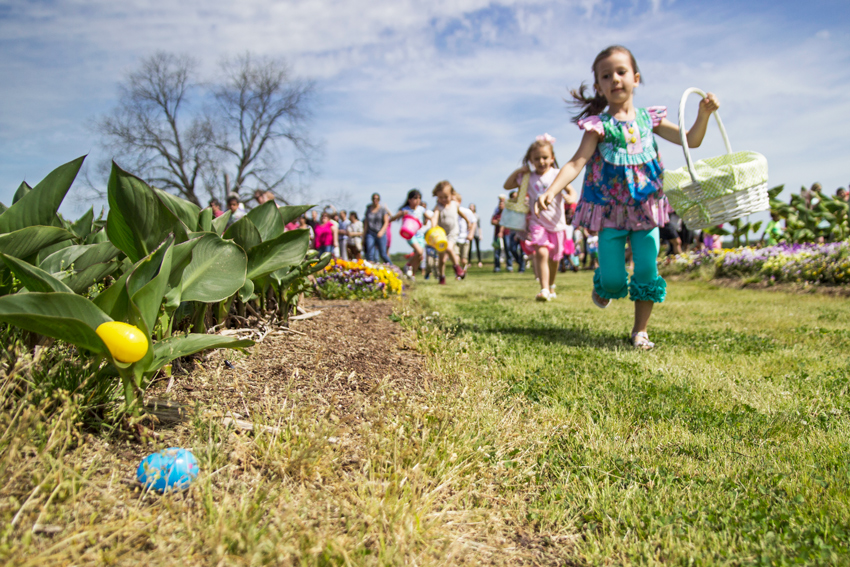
(592, 106)
(413, 193)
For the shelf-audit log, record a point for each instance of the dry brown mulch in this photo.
(351, 349)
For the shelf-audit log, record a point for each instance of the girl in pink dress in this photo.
(547, 231)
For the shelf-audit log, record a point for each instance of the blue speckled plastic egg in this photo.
(169, 469)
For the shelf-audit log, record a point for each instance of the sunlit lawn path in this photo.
(728, 444)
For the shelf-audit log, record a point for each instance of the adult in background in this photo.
(344, 223)
(334, 221)
(376, 222)
(476, 236)
(499, 236)
(841, 194)
(326, 234)
(302, 224)
(355, 236)
(263, 196)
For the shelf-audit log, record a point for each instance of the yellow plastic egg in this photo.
(125, 342)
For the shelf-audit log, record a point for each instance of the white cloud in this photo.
(415, 92)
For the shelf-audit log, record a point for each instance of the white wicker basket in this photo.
(716, 190)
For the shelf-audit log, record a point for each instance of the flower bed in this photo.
(812, 263)
(357, 279)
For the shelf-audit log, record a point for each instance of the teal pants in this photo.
(611, 281)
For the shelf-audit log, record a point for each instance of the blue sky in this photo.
(413, 92)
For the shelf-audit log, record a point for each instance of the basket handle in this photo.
(682, 131)
(523, 189)
(520, 206)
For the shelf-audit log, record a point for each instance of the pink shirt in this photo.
(553, 219)
(324, 234)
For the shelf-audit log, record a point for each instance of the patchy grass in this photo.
(536, 436)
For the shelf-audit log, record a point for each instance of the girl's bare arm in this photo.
(670, 131)
(510, 182)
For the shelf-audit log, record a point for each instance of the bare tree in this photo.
(252, 131)
(264, 113)
(147, 132)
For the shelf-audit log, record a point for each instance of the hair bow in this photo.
(546, 138)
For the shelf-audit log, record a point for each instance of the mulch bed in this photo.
(350, 349)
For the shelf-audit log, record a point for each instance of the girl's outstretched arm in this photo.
(570, 194)
(670, 131)
(511, 183)
(569, 172)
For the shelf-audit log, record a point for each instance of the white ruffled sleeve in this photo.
(657, 113)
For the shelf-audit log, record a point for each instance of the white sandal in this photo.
(544, 295)
(640, 340)
(599, 301)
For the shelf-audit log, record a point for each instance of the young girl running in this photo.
(445, 215)
(547, 228)
(413, 207)
(622, 197)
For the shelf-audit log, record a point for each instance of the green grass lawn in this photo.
(726, 445)
(539, 437)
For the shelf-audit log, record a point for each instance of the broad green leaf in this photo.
(181, 256)
(220, 224)
(38, 207)
(35, 279)
(97, 237)
(3, 208)
(82, 227)
(184, 210)
(23, 189)
(167, 350)
(288, 249)
(114, 300)
(244, 233)
(64, 316)
(149, 298)
(247, 291)
(205, 220)
(148, 268)
(80, 256)
(96, 254)
(268, 221)
(81, 280)
(216, 272)
(284, 275)
(27, 241)
(292, 212)
(138, 221)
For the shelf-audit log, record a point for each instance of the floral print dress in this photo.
(624, 177)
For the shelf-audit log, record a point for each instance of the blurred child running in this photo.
(445, 215)
(547, 227)
(413, 207)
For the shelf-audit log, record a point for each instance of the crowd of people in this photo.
(620, 218)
